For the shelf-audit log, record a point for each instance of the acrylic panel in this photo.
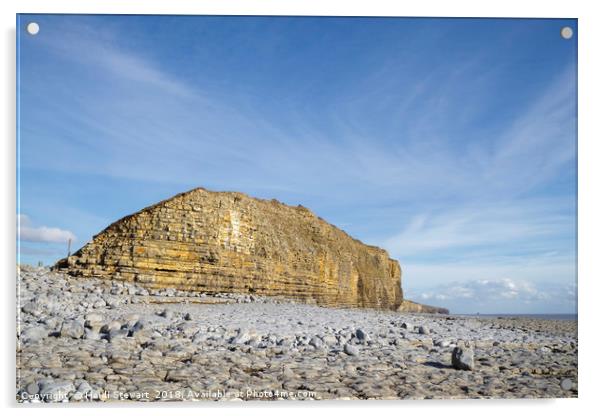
(298, 208)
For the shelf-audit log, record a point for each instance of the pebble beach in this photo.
(86, 339)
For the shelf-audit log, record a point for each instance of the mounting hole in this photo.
(33, 28)
(566, 32)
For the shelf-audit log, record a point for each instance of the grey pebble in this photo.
(32, 388)
(566, 384)
(72, 329)
(316, 342)
(350, 349)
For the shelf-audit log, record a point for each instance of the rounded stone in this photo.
(32, 388)
(566, 384)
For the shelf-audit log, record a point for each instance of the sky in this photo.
(451, 143)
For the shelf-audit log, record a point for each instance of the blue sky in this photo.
(449, 142)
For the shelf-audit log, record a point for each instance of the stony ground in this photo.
(87, 339)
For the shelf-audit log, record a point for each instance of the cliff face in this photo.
(230, 242)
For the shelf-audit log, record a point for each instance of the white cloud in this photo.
(418, 274)
(482, 290)
(495, 295)
(27, 232)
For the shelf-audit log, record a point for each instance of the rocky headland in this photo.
(98, 339)
(219, 242)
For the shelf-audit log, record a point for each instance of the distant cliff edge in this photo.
(413, 307)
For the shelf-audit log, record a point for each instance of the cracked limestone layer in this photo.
(230, 242)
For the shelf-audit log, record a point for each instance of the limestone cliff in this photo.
(230, 242)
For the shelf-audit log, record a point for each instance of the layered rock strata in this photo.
(230, 242)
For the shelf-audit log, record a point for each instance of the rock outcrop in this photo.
(230, 242)
(413, 307)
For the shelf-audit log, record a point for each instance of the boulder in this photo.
(463, 358)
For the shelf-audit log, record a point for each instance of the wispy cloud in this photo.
(460, 172)
(516, 225)
(87, 46)
(152, 125)
(41, 234)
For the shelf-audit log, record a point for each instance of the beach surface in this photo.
(103, 340)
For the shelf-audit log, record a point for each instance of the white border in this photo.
(590, 206)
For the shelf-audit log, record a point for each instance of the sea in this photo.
(546, 316)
